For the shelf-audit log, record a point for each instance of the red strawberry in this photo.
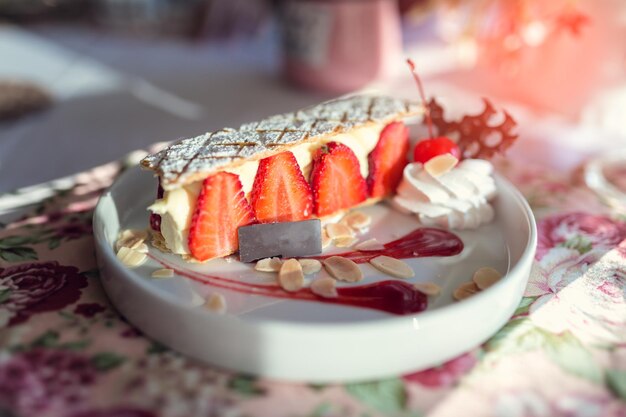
(220, 210)
(388, 159)
(280, 192)
(336, 179)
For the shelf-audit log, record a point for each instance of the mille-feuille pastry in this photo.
(316, 162)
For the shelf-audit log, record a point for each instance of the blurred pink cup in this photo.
(339, 45)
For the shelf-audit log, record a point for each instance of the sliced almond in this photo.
(485, 277)
(370, 245)
(345, 242)
(343, 269)
(290, 276)
(130, 257)
(357, 220)
(163, 273)
(324, 287)
(268, 265)
(338, 231)
(326, 240)
(440, 164)
(131, 238)
(216, 303)
(310, 266)
(428, 288)
(465, 290)
(392, 266)
(142, 248)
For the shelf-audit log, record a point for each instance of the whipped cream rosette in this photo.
(457, 198)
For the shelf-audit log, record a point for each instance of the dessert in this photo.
(316, 162)
(265, 190)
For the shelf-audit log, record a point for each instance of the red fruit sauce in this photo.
(391, 296)
(420, 243)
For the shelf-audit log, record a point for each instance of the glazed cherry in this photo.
(429, 148)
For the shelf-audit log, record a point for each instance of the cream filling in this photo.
(176, 209)
(177, 206)
(458, 199)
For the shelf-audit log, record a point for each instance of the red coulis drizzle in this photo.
(391, 296)
(420, 243)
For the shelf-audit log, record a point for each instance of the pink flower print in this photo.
(74, 229)
(89, 310)
(37, 287)
(444, 375)
(580, 294)
(45, 381)
(115, 412)
(530, 403)
(599, 232)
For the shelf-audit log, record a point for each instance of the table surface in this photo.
(64, 351)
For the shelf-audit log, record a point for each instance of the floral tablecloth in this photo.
(65, 351)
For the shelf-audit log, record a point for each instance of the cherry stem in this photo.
(429, 121)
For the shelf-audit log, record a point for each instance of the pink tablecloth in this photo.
(65, 351)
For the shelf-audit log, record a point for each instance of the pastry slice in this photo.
(317, 162)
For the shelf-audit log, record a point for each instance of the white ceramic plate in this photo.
(310, 340)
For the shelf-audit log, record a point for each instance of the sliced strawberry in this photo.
(336, 179)
(220, 210)
(388, 159)
(280, 192)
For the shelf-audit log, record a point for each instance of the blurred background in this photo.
(83, 82)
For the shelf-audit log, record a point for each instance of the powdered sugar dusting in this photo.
(211, 151)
